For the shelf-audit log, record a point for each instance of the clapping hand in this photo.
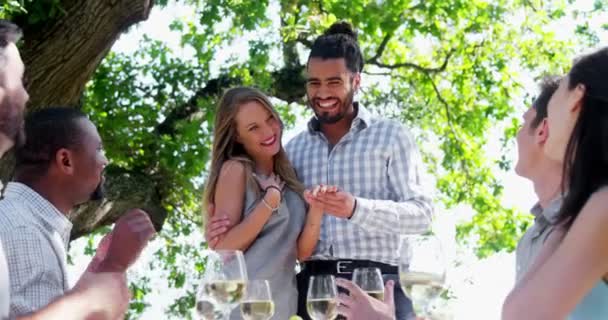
(130, 236)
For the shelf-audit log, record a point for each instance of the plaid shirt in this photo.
(378, 162)
(35, 236)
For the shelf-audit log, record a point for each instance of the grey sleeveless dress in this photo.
(273, 254)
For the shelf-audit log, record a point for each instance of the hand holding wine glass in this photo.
(370, 280)
(358, 305)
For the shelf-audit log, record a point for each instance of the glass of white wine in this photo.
(223, 284)
(370, 280)
(321, 300)
(422, 271)
(257, 303)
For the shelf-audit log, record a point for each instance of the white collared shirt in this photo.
(35, 237)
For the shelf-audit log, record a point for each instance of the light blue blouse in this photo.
(594, 306)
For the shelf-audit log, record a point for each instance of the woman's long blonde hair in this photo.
(225, 146)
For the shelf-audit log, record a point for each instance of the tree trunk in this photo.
(60, 58)
(124, 190)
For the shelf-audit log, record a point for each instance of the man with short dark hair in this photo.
(102, 292)
(544, 173)
(59, 166)
(374, 161)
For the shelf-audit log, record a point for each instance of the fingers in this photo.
(330, 203)
(323, 189)
(272, 180)
(213, 242)
(334, 197)
(354, 291)
(345, 311)
(389, 292)
(334, 210)
(315, 191)
(143, 227)
(104, 244)
(346, 300)
(217, 227)
(101, 252)
(133, 213)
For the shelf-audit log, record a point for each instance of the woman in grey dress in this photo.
(253, 184)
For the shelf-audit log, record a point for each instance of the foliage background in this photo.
(457, 72)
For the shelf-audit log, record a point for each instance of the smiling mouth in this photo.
(327, 105)
(270, 141)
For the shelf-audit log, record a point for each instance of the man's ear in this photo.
(356, 81)
(64, 161)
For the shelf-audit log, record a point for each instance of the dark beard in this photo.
(326, 118)
(11, 121)
(98, 194)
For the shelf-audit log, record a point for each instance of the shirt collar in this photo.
(551, 212)
(42, 209)
(362, 119)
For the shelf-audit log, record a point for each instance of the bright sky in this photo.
(480, 285)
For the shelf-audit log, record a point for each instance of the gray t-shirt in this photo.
(4, 286)
(533, 240)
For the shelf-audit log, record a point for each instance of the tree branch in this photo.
(213, 89)
(288, 85)
(304, 40)
(446, 107)
(420, 68)
(124, 190)
(381, 48)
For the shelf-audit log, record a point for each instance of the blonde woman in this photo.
(253, 185)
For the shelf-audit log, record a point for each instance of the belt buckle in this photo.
(342, 265)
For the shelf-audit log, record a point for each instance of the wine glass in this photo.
(223, 284)
(257, 303)
(321, 300)
(370, 280)
(422, 271)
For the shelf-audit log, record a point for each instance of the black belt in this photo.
(345, 266)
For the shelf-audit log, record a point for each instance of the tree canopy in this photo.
(450, 70)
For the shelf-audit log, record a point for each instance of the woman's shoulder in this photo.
(233, 169)
(597, 204)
